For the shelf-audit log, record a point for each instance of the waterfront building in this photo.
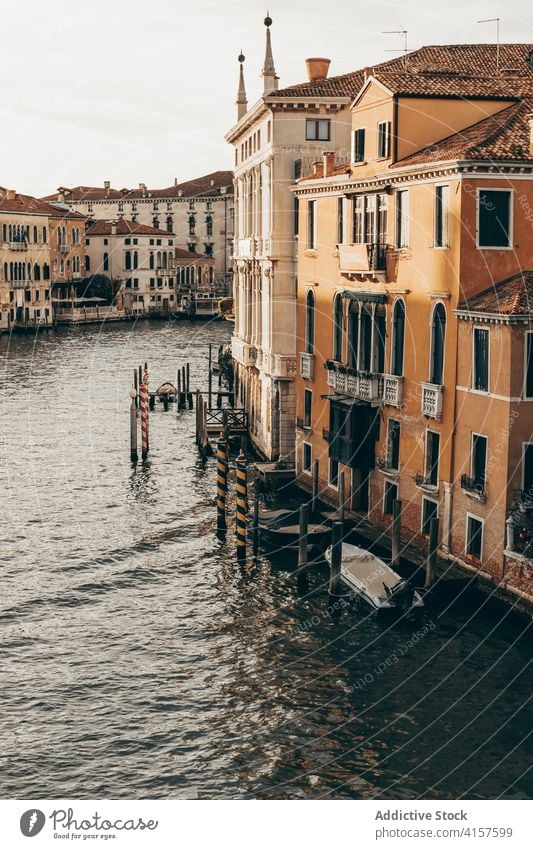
(41, 244)
(198, 213)
(137, 259)
(413, 334)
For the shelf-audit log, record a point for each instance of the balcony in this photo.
(358, 384)
(432, 400)
(369, 258)
(385, 465)
(474, 488)
(341, 448)
(392, 390)
(307, 362)
(63, 249)
(243, 352)
(424, 481)
(524, 498)
(18, 246)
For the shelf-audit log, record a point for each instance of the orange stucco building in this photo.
(394, 249)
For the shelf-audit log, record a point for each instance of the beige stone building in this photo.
(198, 213)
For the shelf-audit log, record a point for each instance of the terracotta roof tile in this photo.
(512, 296)
(216, 183)
(455, 85)
(181, 253)
(125, 228)
(27, 205)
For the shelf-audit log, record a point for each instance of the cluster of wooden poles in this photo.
(139, 403)
(185, 397)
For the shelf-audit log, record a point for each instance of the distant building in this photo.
(198, 213)
(40, 245)
(136, 258)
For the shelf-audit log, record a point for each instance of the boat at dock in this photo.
(280, 530)
(375, 581)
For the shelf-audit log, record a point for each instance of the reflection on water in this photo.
(138, 659)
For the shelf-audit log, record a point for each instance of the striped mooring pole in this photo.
(143, 393)
(242, 500)
(222, 485)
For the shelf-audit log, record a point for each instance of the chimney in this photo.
(318, 168)
(11, 194)
(530, 120)
(317, 68)
(175, 181)
(328, 159)
(142, 188)
(107, 185)
(113, 228)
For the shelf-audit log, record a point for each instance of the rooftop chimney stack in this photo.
(317, 68)
(328, 158)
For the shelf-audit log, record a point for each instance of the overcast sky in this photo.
(134, 91)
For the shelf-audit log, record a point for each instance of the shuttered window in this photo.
(479, 461)
(494, 219)
(442, 216)
(432, 457)
(393, 443)
(337, 328)
(358, 146)
(481, 359)
(398, 338)
(353, 336)
(384, 139)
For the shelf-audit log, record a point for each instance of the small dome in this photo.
(241, 57)
(268, 21)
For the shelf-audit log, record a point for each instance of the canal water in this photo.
(138, 660)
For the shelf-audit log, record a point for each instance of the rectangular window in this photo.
(306, 457)
(528, 381)
(333, 473)
(296, 215)
(311, 224)
(383, 139)
(358, 223)
(308, 407)
(393, 444)
(317, 129)
(479, 461)
(432, 457)
(340, 221)
(494, 219)
(527, 472)
(474, 537)
(402, 218)
(442, 216)
(390, 494)
(429, 511)
(297, 169)
(358, 145)
(481, 359)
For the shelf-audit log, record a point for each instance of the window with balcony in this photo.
(317, 129)
(393, 444)
(402, 218)
(494, 218)
(209, 225)
(311, 224)
(358, 145)
(398, 337)
(430, 510)
(310, 322)
(528, 377)
(308, 407)
(432, 458)
(478, 463)
(474, 537)
(481, 359)
(307, 457)
(337, 328)
(438, 336)
(369, 226)
(384, 133)
(442, 216)
(390, 495)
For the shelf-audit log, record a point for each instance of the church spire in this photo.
(242, 102)
(270, 80)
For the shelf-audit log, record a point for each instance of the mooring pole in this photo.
(178, 398)
(302, 542)
(134, 455)
(341, 498)
(241, 487)
(222, 486)
(189, 393)
(210, 376)
(396, 532)
(188, 377)
(152, 400)
(144, 419)
(197, 416)
(432, 552)
(136, 387)
(140, 376)
(336, 559)
(225, 427)
(165, 402)
(314, 499)
(255, 539)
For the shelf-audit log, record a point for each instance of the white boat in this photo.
(375, 581)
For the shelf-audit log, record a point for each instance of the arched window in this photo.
(211, 275)
(106, 261)
(380, 330)
(398, 337)
(135, 259)
(169, 223)
(4, 232)
(164, 259)
(209, 225)
(151, 259)
(438, 337)
(46, 272)
(6, 272)
(159, 259)
(192, 225)
(310, 322)
(11, 271)
(127, 260)
(35, 234)
(155, 223)
(365, 347)
(199, 275)
(337, 328)
(353, 334)
(44, 234)
(192, 275)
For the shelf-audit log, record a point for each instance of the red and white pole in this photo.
(143, 400)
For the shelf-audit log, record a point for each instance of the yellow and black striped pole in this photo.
(242, 504)
(222, 484)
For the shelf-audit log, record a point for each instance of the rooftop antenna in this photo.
(405, 49)
(497, 22)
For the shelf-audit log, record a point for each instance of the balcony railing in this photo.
(473, 486)
(385, 464)
(426, 481)
(307, 362)
(362, 258)
(393, 390)
(18, 246)
(432, 400)
(63, 249)
(359, 384)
